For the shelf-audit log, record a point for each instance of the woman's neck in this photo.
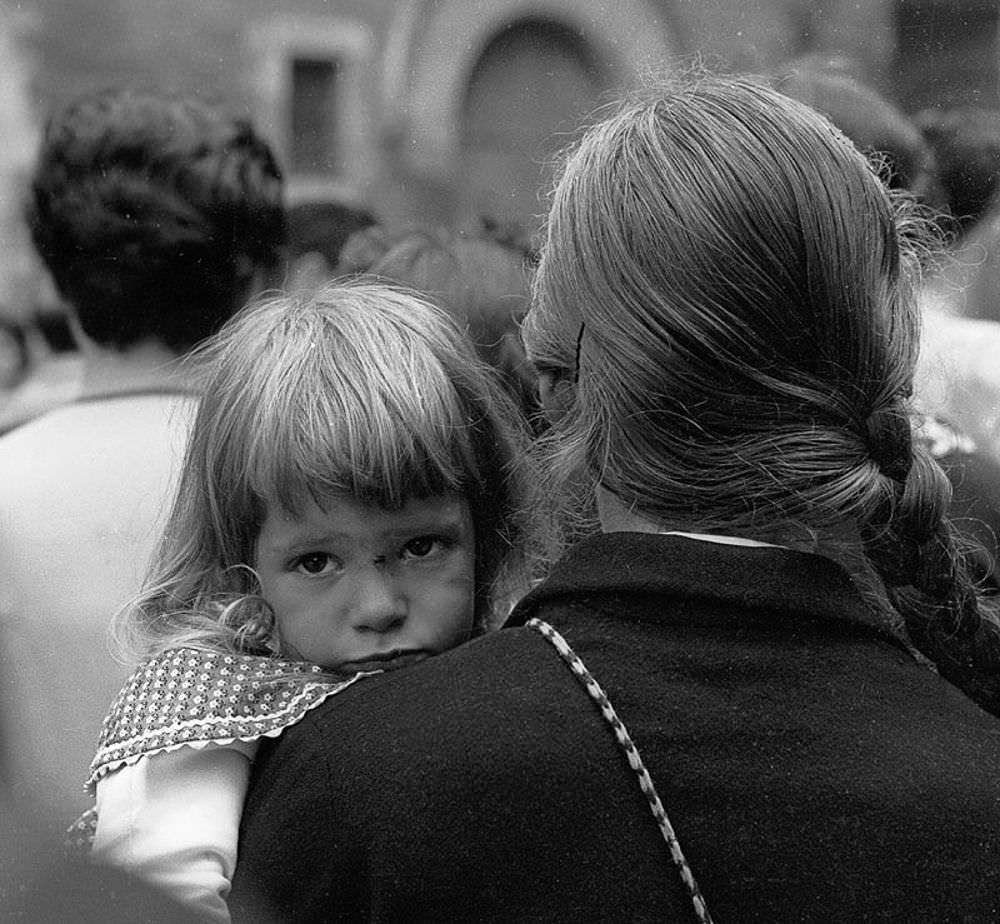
(616, 517)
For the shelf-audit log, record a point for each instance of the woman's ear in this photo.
(555, 393)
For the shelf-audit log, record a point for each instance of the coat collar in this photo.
(668, 578)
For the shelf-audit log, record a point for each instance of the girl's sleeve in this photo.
(173, 819)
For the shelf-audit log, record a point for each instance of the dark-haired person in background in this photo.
(317, 231)
(157, 217)
(482, 281)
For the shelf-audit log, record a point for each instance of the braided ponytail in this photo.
(918, 554)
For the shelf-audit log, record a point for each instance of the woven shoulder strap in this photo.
(631, 752)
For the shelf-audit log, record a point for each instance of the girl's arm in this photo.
(173, 819)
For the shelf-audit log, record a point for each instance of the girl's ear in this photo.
(555, 392)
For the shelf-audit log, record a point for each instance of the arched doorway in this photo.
(459, 78)
(528, 92)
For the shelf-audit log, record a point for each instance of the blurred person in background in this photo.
(965, 140)
(317, 232)
(157, 217)
(42, 883)
(875, 124)
(482, 281)
(53, 374)
(15, 357)
(959, 373)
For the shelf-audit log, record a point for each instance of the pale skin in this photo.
(355, 587)
(615, 517)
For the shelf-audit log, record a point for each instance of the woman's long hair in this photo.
(733, 288)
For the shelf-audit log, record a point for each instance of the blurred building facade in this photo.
(449, 111)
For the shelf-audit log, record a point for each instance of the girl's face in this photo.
(355, 587)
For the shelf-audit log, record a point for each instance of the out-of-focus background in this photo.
(443, 111)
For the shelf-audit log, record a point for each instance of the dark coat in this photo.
(812, 768)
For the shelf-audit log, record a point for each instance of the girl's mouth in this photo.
(387, 661)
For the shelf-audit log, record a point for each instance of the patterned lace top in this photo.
(193, 698)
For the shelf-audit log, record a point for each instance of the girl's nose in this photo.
(380, 605)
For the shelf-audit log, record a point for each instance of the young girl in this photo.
(352, 501)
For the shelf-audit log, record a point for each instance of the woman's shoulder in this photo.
(491, 686)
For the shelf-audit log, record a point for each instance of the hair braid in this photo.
(918, 554)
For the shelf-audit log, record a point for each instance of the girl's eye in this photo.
(314, 563)
(422, 546)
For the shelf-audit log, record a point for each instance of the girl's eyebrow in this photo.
(451, 526)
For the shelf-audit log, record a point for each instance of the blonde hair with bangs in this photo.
(360, 390)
